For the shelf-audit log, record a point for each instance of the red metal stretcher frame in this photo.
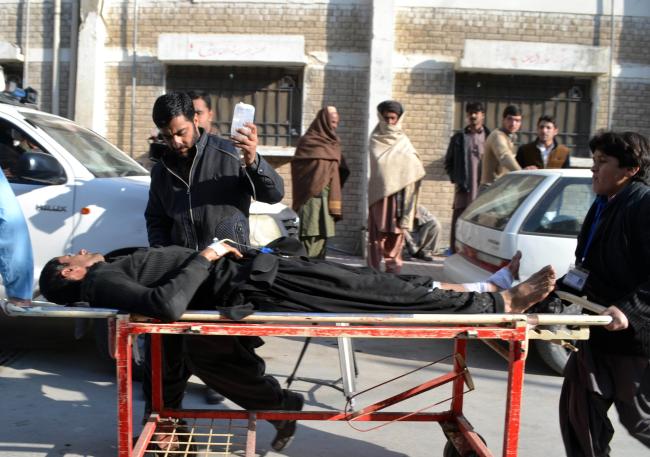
(516, 329)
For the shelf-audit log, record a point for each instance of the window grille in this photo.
(568, 100)
(274, 92)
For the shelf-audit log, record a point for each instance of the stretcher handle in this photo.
(586, 304)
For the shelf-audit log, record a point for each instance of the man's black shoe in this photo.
(212, 397)
(424, 256)
(287, 428)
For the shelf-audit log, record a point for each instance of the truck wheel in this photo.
(100, 333)
(553, 355)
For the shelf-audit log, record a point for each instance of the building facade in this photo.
(586, 62)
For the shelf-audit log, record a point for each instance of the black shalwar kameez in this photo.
(164, 282)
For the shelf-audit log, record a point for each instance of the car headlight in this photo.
(264, 229)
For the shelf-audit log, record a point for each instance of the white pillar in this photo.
(382, 48)
(91, 80)
(380, 86)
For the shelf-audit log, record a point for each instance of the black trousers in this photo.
(456, 212)
(592, 383)
(227, 364)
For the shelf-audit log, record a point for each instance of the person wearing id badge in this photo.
(612, 268)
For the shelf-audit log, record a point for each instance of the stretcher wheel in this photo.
(451, 451)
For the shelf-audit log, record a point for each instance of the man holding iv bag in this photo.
(201, 189)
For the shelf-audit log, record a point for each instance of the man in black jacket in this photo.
(202, 189)
(612, 268)
(463, 163)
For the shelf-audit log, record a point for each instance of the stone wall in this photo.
(41, 23)
(332, 27)
(118, 105)
(443, 30)
(632, 105)
(39, 37)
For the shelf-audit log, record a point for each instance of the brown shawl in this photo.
(316, 164)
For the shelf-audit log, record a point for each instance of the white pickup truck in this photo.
(77, 190)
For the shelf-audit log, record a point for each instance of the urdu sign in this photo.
(183, 48)
(533, 57)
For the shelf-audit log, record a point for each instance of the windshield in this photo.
(494, 207)
(99, 156)
(562, 209)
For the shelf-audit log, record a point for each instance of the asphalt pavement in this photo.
(59, 398)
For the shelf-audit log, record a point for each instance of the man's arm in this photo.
(520, 156)
(636, 306)
(269, 186)
(166, 301)
(450, 157)
(159, 225)
(503, 153)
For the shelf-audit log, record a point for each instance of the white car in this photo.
(538, 212)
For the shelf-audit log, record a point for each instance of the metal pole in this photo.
(610, 101)
(26, 45)
(134, 75)
(56, 42)
(72, 66)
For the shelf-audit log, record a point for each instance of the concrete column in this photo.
(90, 94)
(382, 48)
(380, 86)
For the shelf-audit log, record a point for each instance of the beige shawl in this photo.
(394, 162)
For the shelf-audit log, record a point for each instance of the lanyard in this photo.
(600, 205)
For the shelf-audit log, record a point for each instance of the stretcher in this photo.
(233, 432)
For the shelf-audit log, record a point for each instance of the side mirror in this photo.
(39, 168)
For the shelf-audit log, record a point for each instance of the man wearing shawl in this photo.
(317, 174)
(395, 174)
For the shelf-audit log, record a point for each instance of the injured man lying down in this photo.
(165, 282)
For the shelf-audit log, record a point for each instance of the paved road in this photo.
(59, 399)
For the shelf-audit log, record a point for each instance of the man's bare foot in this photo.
(521, 297)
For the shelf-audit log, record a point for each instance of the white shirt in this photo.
(546, 151)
